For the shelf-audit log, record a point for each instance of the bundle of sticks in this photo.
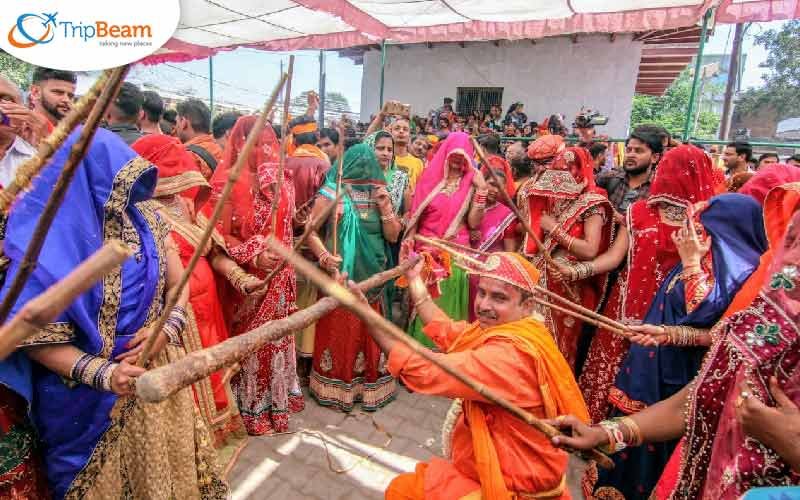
(545, 298)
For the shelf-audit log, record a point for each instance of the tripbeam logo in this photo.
(43, 26)
(90, 34)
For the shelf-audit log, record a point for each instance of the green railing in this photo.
(759, 144)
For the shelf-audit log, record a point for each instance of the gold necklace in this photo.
(451, 187)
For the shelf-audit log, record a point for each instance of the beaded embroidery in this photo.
(762, 334)
(784, 279)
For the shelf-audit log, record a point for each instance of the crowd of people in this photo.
(642, 299)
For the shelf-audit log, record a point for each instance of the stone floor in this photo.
(358, 464)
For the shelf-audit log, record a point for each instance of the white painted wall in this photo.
(553, 76)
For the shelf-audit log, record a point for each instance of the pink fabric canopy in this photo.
(209, 26)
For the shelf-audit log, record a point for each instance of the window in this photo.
(469, 99)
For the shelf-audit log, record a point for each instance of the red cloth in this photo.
(500, 164)
(207, 142)
(23, 475)
(308, 173)
(545, 147)
(684, 177)
(177, 170)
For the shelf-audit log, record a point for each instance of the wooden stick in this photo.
(513, 206)
(451, 251)
(76, 155)
(612, 324)
(461, 247)
(43, 309)
(587, 319)
(160, 383)
(339, 172)
(311, 227)
(375, 320)
(284, 143)
(233, 176)
(50, 144)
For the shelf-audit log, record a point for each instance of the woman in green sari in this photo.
(397, 180)
(348, 367)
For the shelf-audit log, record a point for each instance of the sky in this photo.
(245, 77)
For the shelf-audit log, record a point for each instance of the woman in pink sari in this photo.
(449, 200)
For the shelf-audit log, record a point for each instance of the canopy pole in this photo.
(211, 84)
(733, 82)
(383, 71)
(322, 77)
(697, 64)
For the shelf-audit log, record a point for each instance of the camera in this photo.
(588, 119)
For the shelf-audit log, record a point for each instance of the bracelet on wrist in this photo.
(93, 371)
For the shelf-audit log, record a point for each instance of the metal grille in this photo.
(469, 99)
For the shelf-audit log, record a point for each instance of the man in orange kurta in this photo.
(494, 454)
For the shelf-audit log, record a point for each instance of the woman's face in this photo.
(457, 162)
(384, 150)
(492, 188)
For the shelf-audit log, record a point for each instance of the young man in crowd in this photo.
(152, 108)
(400, 128)
(599, 153)
(193, 128)
(222, 125)
(767, 159)
(52, 92)
(122, 116)
(419, 147)
(494, 120)
(169, 120)
(737, 156)
(643, 149)
(329, 143)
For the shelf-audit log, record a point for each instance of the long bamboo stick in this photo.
(76, 155)
(284, 142)
(43, 309)
(233, 176)
(339, 172)
(375, 320)
(513, 206)
(160, 383)
(464, 248)
(311, 227)
(50, 144)
(450, 250)
(575, 314)
(608, 322)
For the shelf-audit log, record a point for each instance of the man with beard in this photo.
(642, 151)
(52, 92)
(737, 156)
(489, 453)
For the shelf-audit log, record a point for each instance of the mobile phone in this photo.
(396, 108)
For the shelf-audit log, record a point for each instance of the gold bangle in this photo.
(636, 438)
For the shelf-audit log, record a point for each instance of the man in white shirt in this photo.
(21, 129)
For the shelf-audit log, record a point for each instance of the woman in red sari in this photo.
(181, 187)
(266, 388)
(684, 178)
(753, 366)
(575, 225)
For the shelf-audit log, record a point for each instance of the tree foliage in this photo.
(781, 89)
(669, 110)
(15, 70)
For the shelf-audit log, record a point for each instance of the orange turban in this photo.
(511, 268)
(546, 147)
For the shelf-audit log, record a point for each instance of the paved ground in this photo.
(295, 465)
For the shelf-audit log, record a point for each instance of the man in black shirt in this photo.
(631, 183)
(123, 114)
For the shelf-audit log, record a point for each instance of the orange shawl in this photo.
(560, 392)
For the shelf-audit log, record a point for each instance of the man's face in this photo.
(638, 157)
(601, 159)
(9, 94)
(53, 97)
(730, 158)
(183, 129)
(498, 303)
(515, 151)
(510, 130)
(769, 160)
(400, 131)
(327, 146)
(419, 147)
